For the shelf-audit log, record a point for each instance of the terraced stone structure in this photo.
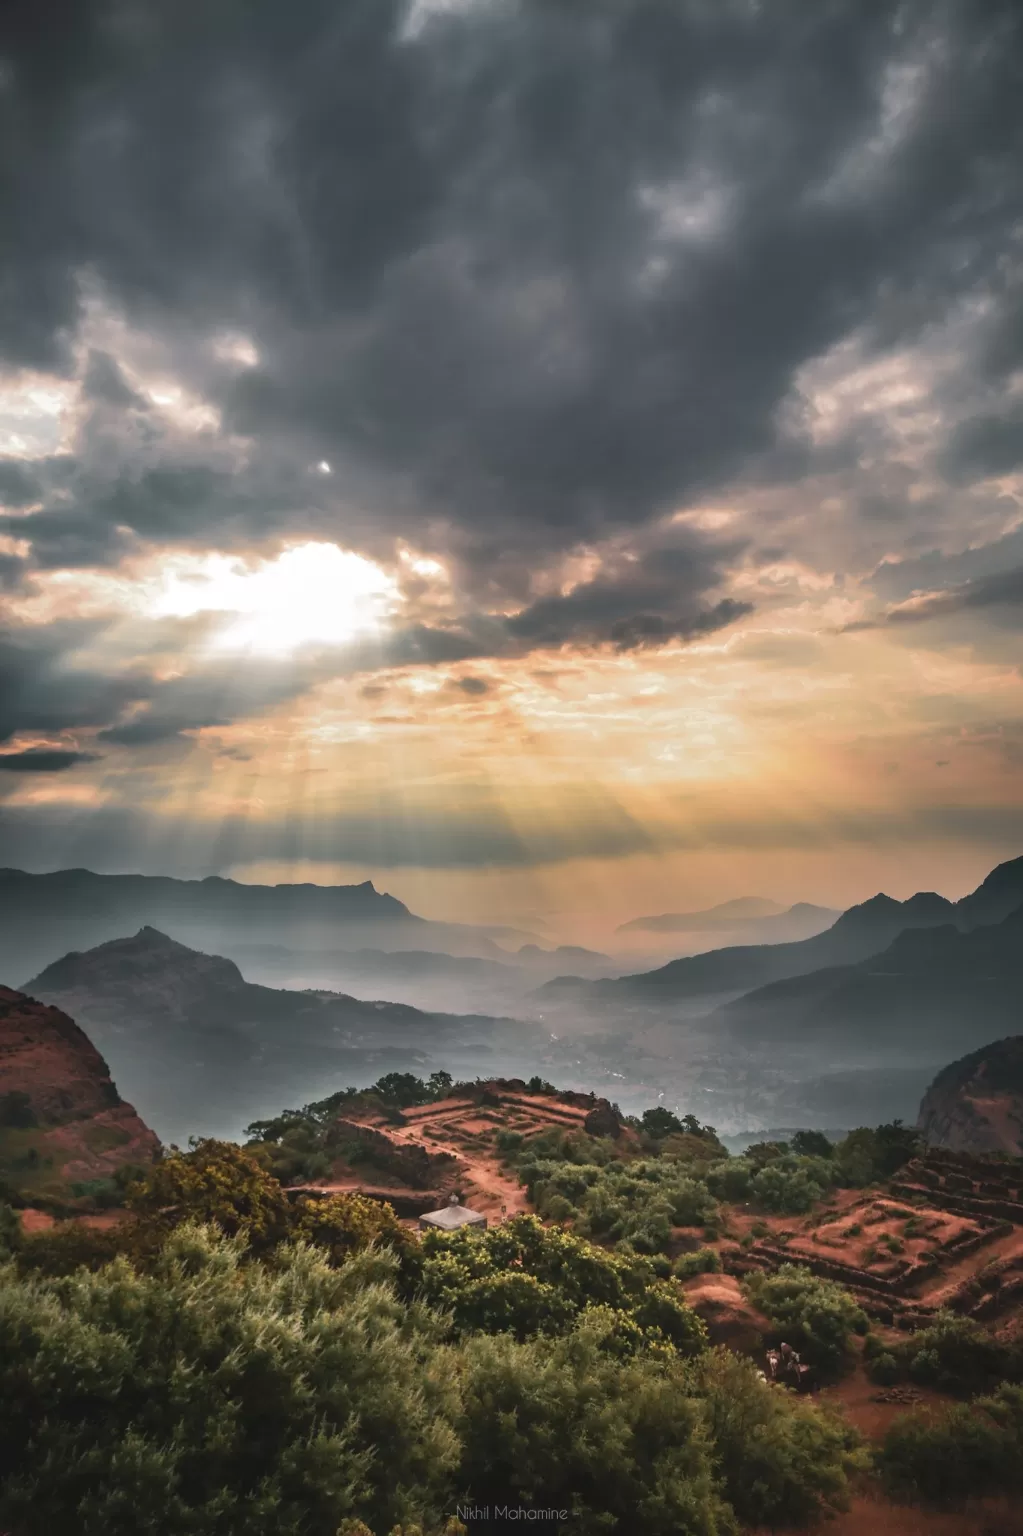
(907, 1257)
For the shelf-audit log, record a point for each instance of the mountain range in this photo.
(937, 990)
(748, 919)
(44, 916)
(857, 934)
(197, 1046)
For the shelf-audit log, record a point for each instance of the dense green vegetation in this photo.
(972, 1449)
(527, 1279)
(683, 1173)
(814, 1315)
(954, 1354)
(231, 1360)
(297, 1145)
(203, 1383)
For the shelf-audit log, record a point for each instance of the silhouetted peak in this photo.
(873, 910)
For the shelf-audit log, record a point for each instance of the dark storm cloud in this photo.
(983, 446)
(18, 488)
(647, 601)
(1000, 592)
(526, 278)
(1003, 590)
(42, 689)
(103, 380)
(43, 760)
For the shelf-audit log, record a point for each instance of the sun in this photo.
(314, 593)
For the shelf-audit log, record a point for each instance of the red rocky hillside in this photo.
(61, 1117)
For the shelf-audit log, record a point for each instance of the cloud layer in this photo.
(601, 330)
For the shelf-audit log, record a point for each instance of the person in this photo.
(789, 1363)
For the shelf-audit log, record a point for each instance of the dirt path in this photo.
(871, 1516)
(486, 1189)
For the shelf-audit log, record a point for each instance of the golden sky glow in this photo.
(555, 513)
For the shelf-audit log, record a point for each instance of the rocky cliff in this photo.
(976, 1104)
(61, 1117)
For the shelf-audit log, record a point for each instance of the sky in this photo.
(562, 462)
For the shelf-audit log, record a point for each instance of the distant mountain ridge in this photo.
(197, 1043)
(939, 989)
(42, 916)
(203, 897)
(741, 909)
(860, 932)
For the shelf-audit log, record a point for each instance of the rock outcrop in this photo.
(57, 1097)
(976, 1104)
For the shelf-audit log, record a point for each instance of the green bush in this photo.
(816, 1316)
(216, 1393)
(969, 1450)
(104, 1194)
(10, 1232)
(703, 1261)
(622, 1446)
(782, 1460)
(792, 1185)
(527, 1279)
(67, 1247)
(868, 1156)
(955, 1355)
(213, 1396)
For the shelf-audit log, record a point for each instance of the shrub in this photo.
(215, 1181)
(731, 1180)
(815, 1315)
(67, 1247)
(10, 1231)
(102, 1193)
(867, 1156)
(970, 1449)
(214, 1396)
(812, 1144)
(528, 1279)
(211, 1395)
(782, 1460)
(703, 1261)
(791, 1185)
(346, 1223)
(623, 1446)
(955, 1355)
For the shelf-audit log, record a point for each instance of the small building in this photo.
(452, 1218)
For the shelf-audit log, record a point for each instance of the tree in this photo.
(782, 1460)
(815, 1315)
(343, 1224)
(16, 1111)
(811, 1144)
(660, 1122)
(954, 1354)
(214, 1181)
(968, 1450)
(566, 1425)
(214, 1396)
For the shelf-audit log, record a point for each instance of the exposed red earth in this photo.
(64, 1119)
